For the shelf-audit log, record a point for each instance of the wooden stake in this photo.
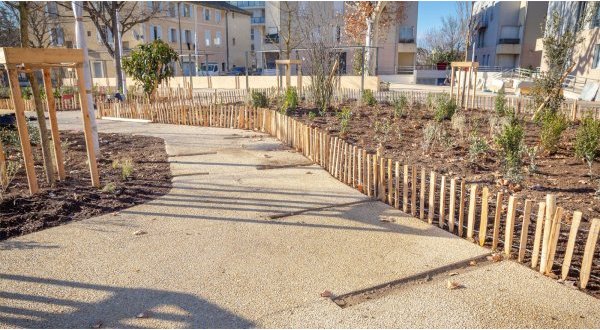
(390, 181)
(461, 207)
(496, 233)
(472, 210)
(405, 190)
(87, 127)
(442, 202)
(397, 186)
(431, 205)
(413, 195)
(510, 224)
(484, 215)
(550, 209)
(525, 229)
(422, 195)
(58, 153)
(588, 254)
(554, 234)
(451, 207)
(571, 244)
(538, 235)
(3, 173)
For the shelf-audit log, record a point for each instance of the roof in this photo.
(223, 5)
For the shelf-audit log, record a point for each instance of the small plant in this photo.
(344, 116)
(459, 123)
(259, 100)
(368, 98)
(126, 167)
(312, 115)
(430, 135)
(587, 141)
(34, 132)
(400, 105)
(383, 129)
(445, 106)
(109, 188)
(510, 142)
(10, 138)
(531, 153)
(430, 101)
(12, 168)
(477, 147)
(553, 125)
(290, 100)
(500, 104)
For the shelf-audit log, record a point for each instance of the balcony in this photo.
(257, 20)
(272, 38)
(248, 4)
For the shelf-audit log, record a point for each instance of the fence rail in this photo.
(527, 231)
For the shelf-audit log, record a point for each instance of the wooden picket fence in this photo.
(529, 231)
(62, 104)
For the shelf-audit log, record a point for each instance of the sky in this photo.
(430, 13)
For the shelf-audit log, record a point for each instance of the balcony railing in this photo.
(509, 41)
(248, 4)
(257, 20)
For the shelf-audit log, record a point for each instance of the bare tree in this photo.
(9, 26)
(287, 38)
(464, 13)
(445, 43)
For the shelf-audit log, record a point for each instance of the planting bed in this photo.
(561, 174)
(75, 198)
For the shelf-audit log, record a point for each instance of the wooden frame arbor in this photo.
(18, 60)
(288, 73)
(468, 69)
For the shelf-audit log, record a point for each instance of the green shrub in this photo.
(459, 123)
(430, 136)
(445, 107)
(477, 146)
(290, 100)
(500, 104)
(34, 132)
(400, 104)
(344, 116)
(368, 98)
(312, 115)
(553, 125)
(587, 140)
(259, 100)
(383, 130)
(510, 141)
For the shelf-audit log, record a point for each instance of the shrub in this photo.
(259, 100)
(430, 135)
(459, 123)
(477, 146)
(587, 140)
(368, 98)
(344, 116)
(500, 104)
(383, 129)
(531, 153)
(445, 106)
(34, 132)
(290, 101)
(510, 141)
(400, 105)
(12, 168)
(109, 188)
(126, 167)
(312, 115)
(553, 125)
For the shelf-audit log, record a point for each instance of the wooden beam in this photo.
(87, 128)
(58, 154)
(48, 56)
(19, 107)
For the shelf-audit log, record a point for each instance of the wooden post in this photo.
(405, 190)
(413, 195)
(422, 195)
(472, 209)
(510, 224)
(554, 234)
(390, 197)
(525, 229)
(19, 107)
(538, 235)
(452, 206)
(87, 127)
(58, 154)
(496, 232)
(431, 205)
(550, 207)
(397, 186)
(484, 215)
(588, 254)
(571, 244)
(442, 202)
(461, 207)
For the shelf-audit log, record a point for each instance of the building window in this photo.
(155, 32)
(89, 33)
(218, 16)
(233, 41)
(172, 35)
(218, 38)
(97, 69)
(188, 36)
(206, 14)
(338, 33)
(251, 34)
(252, 47)
(52, 9)
(187, 11)
(207, 38)
(596, 64)
(173, 9)
(57, 35)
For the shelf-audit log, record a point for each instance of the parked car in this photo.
(237, 71)
(212, 69)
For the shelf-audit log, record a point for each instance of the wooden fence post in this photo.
(510, 224)
(442, 202)
(571, 244)
(431, 205)
(535, 251)
(483, 223)
(525, 229)
(588, 254)
(472, 209)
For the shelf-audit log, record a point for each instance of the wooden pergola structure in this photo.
(288, 73)
(17, 60)
(468, 68)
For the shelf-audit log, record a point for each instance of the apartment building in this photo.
(200, 31)
(505, 33)
(396, 50)
(586, 16)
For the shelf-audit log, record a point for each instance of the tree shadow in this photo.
(120, 307)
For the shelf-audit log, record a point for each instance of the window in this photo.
(154, 5)
(252, 47)
(187, 11)
(57, 35)
(581, 9)
(89, 33)
(207, 38)
(338, 33)
(596, 64)
(233, 41)
(155, 32)
(188, 36)
(218, 16)
(251, 34)
(172, 9)
(108, 33)
(172, 35)
(126, 45)
(218, 38)
(206, 14)
(52, 9)
(97, 69)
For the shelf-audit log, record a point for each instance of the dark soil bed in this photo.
(75, 198)
(560, 174)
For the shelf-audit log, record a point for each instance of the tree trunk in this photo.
(368, 44)
(35, 89)
(117, 47)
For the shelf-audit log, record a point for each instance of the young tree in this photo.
(447, 42)
(370, 21)
(148, 64)
(9, 26)
(289, 38)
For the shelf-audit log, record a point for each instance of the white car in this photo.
(212, 69)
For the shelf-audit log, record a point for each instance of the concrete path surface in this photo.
(220, 252)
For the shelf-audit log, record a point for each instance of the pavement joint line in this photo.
(378, 291)
(275, 167)
(289, 214)
(189, 174)
(194, 154)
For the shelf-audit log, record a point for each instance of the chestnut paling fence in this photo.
(64, 103)
(544, 235)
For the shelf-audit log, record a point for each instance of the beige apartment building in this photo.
(587, 15)
(505, 33)
(396, 51)
(199, 31)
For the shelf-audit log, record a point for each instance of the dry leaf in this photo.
(452, 285)
(453, 274)
(143, 315)
(140, 232)
(326, 294)
(472, 263)
(496, 257)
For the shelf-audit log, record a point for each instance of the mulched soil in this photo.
(560, 174)
(75, 198)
